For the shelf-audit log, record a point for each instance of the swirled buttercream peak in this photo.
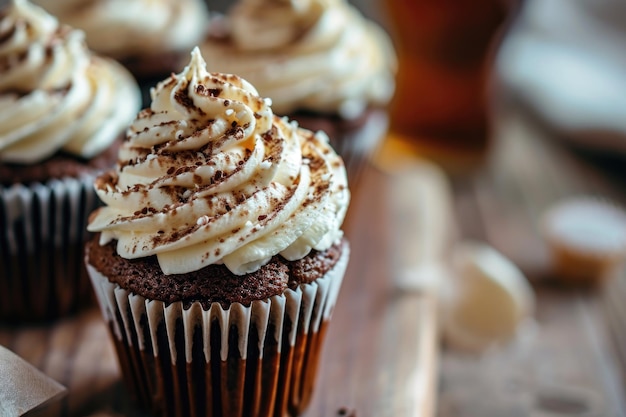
(208, 174)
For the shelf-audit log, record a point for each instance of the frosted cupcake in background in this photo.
(150, 37)
(219, 254)
(62, 115)
(320, 61)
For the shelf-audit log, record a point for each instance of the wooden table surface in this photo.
(381, 354)
(572, 360)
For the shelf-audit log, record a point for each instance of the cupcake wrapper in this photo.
(255, 361)
(41, 248)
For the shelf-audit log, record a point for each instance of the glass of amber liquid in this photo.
(445, 50)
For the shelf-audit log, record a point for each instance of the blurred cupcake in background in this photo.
(152, 38)
(320, 61)
(63, 112)
(586, 238)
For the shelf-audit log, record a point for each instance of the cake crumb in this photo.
(346, 412)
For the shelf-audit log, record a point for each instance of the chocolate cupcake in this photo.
(62, 111)
(151, 38)
(220, 253)
(321, 62)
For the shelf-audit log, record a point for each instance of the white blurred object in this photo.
(487, 301)
(566, 59)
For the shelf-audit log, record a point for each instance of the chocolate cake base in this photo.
(213, 283)
(58, 166)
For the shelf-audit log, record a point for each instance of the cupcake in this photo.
(586, 238)
(320, 61)
(62, 112)
(151, 38)
(219, 252)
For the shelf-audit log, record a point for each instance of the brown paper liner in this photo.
(42, 273)
(255, 361)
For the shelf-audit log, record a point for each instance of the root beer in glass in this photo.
(445, 48)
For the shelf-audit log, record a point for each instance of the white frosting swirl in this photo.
(127, 28)
(209, 175)
(318, 55)
(53, 93)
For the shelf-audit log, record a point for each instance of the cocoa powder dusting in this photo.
(183, 98)
(208, 92)
(7, 34)
(315, 163)
(12, 60)
(145, 113)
